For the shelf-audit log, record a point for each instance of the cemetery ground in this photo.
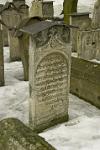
(81, 132)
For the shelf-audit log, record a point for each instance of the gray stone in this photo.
(88, 44)
(1, 61)
(78, 20)
(85, 80)
(12, 15)
(96, 15)
(23, 39)
(42, 9)
(14, 135)
(49, 73)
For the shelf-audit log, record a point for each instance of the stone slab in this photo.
(14, 135)
(85, 80)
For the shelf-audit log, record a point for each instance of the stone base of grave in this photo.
(85, 80)
(14, 135)
(40, 128)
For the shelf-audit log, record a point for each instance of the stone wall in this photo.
(85, 80)
(49, 77)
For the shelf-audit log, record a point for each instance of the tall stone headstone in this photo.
(77, 19)
(12, 15)
(42, 9)
(49, 73)
(1, 60)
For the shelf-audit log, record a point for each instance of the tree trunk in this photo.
(69, 6)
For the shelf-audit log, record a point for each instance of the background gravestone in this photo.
(1, 6)
(88, 42)
(49, 73)
(1, 61)
(42, 9)
(12, 15)
(14, 135)
(96, 15)
(23, 39)
(77, 19)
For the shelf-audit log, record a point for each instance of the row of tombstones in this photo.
(86, 38)
(49, 66)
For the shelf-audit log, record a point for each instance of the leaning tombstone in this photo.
(49, 73)
(42, 9)
(12, 16)
(23, 39)
(14, 135)
(77, 19)
(1, 60)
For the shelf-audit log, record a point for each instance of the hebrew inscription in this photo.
(51, 79)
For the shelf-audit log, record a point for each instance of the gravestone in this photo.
(5, 35)
(1, 6)
(96, 15)
(12, 15)
(77, 19)
(42, 9)
(88, 44)
(23, 39)
(49, 73)
(18, 3)
(1, 60)
(14, 135)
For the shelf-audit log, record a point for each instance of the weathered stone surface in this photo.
(1, 61)
(85, 80)
(78, 20)
(14, 47)
(42, 9)
(12, 15)
(88, 44)
(96, 15)
(23, 39)
(14, 135)
(49, 77)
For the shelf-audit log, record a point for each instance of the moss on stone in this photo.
(14, 135)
